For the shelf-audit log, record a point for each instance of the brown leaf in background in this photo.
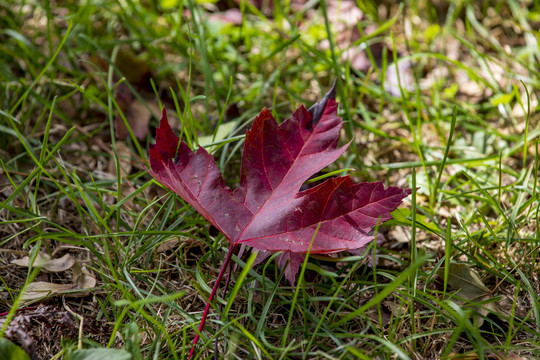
(490, 356)
(399, 77)
(47, 264)
(231, 16)
(464, 278)
(42, 289)
(83, 277)
(82, 280)
(135, 69)
(344, 17)
(167, 245)
(136, 111)
(124, 158)
(470, 287)
(138, 115)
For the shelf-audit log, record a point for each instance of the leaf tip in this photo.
(166, 139)
(317, 109)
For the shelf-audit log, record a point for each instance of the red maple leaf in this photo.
(268, 211)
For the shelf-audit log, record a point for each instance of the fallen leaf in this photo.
(399, 78)
(464, 278)
(268, 211)
(397, 309)
(470, 287)
(231, 16)
(512, 356)
(133, 67)
(82, 277)
(344, 16)
(138, 116)
(42, 289)
(124, 158)
(167, 245)
(472, 355)
(6, 188)
(82, 281)
(47, 264)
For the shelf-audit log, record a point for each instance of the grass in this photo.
(457, 274)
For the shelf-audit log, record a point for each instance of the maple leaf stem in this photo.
(211, 297)
(227, 282)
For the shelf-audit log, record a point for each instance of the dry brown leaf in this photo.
(6, 188)
(42, 289)
(82, 280)
(47, 264)
(83, 277)
(167, 245)
(133, 67)
(396, 308)
(124, 157)
(231, 16)
(137, 114)
(467, 282)
(474, 356)
(513, 356)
